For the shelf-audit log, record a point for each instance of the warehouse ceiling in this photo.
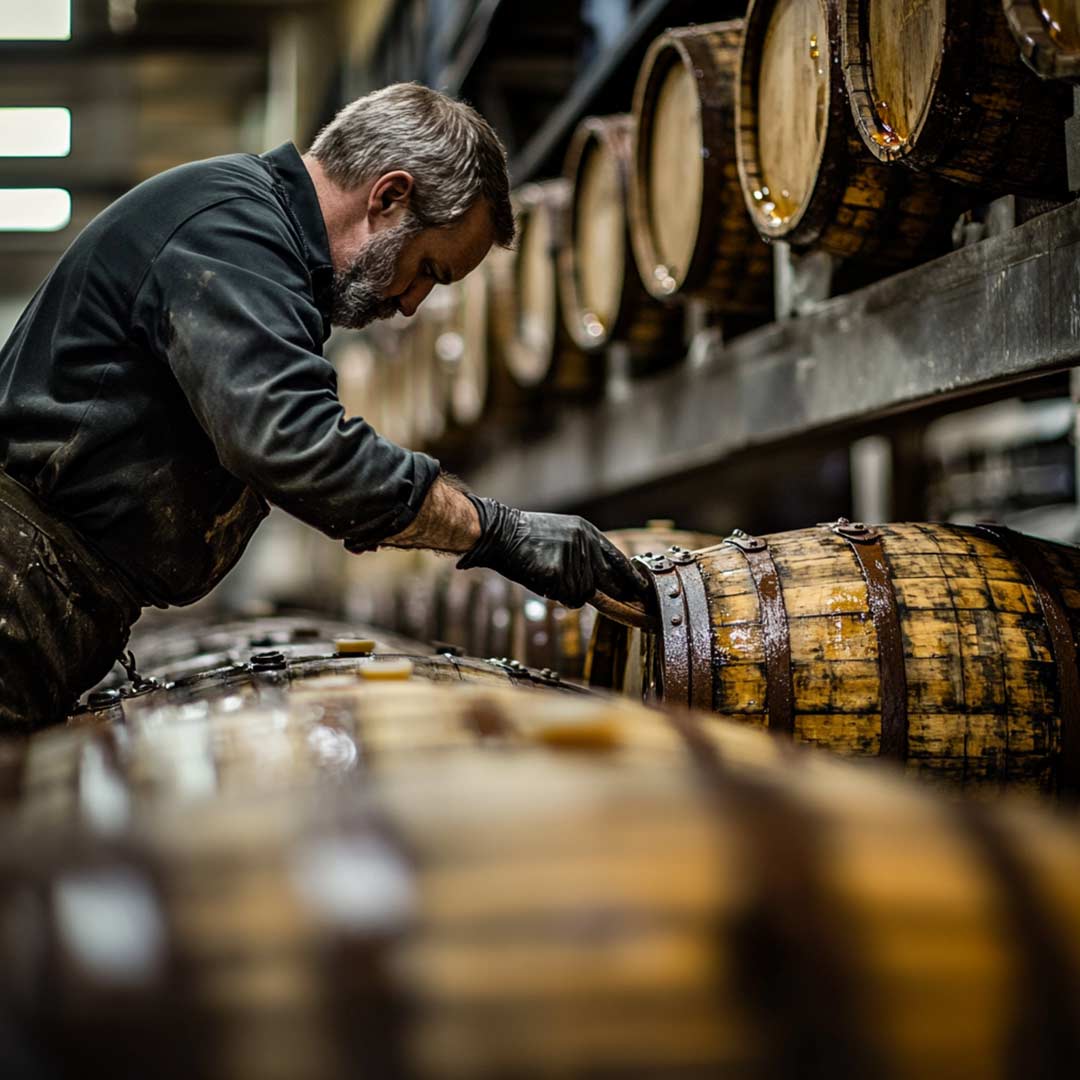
(150, 84)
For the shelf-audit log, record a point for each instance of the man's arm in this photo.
(447, 521)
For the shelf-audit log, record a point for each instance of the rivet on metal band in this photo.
(775, 630)
(684, 633)
(1062, 643)
(865, 542)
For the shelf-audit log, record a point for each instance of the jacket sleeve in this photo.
(227, 305)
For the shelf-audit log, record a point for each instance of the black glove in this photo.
(559, 556)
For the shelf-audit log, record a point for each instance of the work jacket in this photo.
(166, 381)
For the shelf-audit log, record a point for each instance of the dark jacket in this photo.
(167, 381)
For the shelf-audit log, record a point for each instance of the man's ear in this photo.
(390, 194)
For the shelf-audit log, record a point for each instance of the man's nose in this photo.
(414, 296)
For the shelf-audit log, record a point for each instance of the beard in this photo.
(357, 293)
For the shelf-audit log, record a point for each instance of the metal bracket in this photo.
(744, 541)
(654, 564)
(513, 667)
(679, 555)
(856, 531)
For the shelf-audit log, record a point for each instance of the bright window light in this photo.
(35, 132)
(34, 209)
(35, 20)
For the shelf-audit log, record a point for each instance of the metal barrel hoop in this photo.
(775, 630)
(684, 632)
(866, 544)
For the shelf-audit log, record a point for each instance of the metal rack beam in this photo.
(998, 312)
(608, 83)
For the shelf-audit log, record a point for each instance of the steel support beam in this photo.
(1000, 311)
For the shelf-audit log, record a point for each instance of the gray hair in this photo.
(449, 149)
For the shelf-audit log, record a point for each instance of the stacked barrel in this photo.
(859, 128)
(320, 855)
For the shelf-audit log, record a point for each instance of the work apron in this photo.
(65, 615)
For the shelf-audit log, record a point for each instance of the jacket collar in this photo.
(300, 192)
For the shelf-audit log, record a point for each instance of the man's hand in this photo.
(562, 557)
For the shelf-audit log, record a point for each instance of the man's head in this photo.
(414, 190)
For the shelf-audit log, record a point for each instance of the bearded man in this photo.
(166, 383)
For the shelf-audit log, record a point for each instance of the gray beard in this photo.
(357, 298)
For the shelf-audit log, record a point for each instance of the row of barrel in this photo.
(311, 846)
(858, 128)
(950, 649)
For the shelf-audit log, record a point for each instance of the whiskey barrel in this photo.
(1048, 32)
(432, 368)
(939, 86)
(463, 348)
(447, 881)
(601, 294)
(807, 178)
(167, 648)
(395, 352)
(359, 389)
(950, 649)
(536, 346)
(691, 234)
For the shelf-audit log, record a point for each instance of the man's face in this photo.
(399, 265)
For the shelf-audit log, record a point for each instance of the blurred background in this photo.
(848, 395)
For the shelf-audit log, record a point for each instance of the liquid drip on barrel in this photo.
(793, 102)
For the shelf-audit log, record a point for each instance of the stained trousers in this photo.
(65, 615)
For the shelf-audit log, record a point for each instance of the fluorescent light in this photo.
(35, 20)
(34, 209)
(35, 132)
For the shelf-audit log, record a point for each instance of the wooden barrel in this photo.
(431, 365)
(939, 86)
(691, 235)
(447, 881)
(948, 648)
(807, 178)
(536, 346)
(395, 351)
(601, 294)
(1048, 32)
(470, 340)
(357, 366)
(251, 671)
(457, 617)
(168, 649)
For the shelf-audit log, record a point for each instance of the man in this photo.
(167, 382)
